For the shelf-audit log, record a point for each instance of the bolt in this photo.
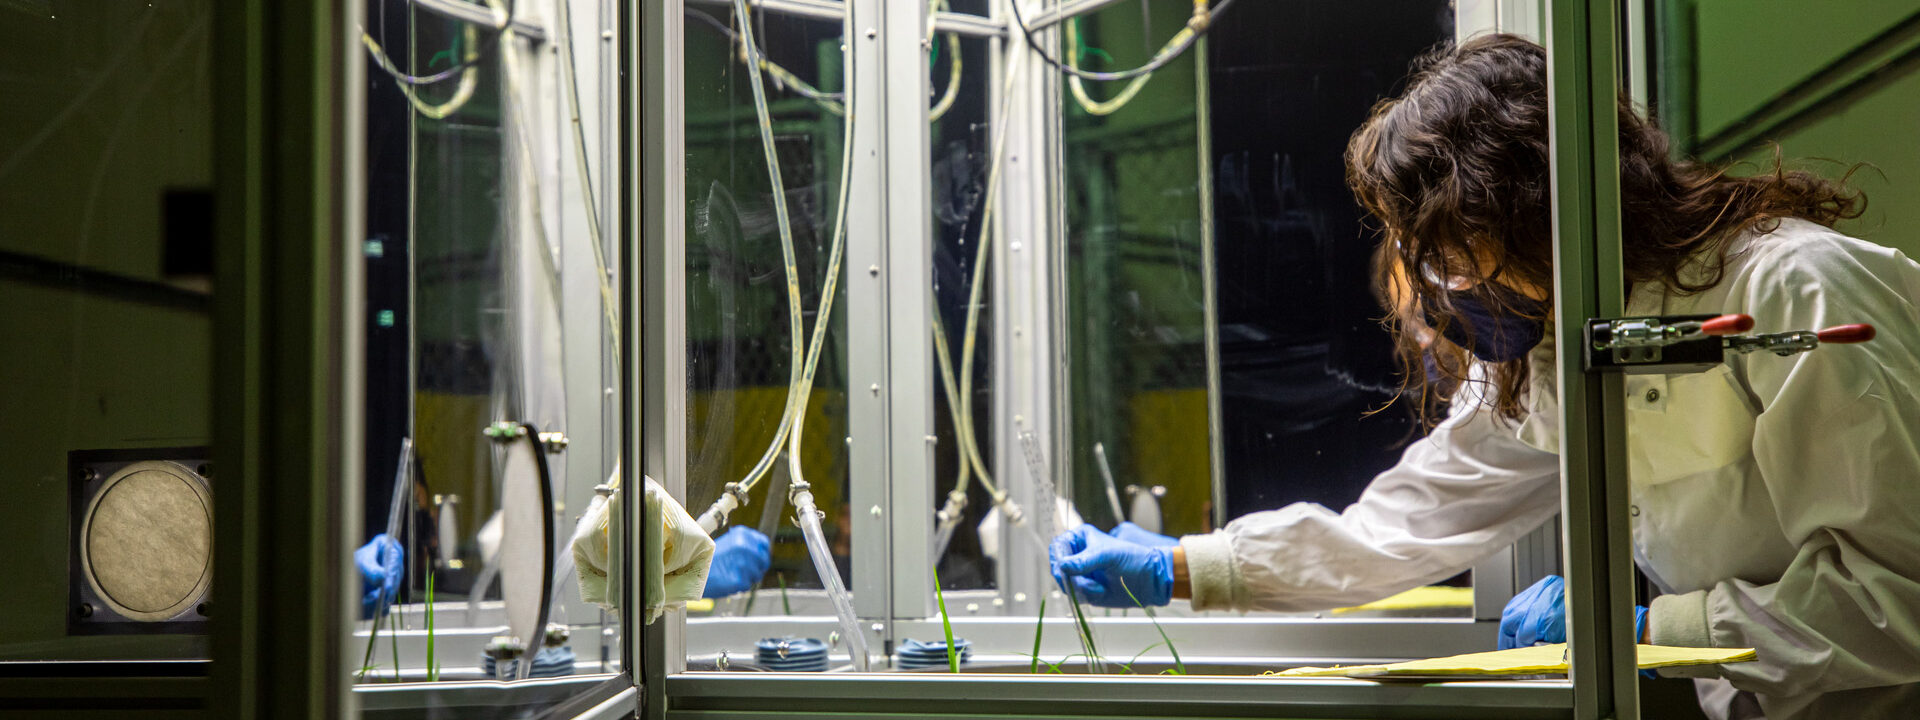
(202, 609)
(1015, 245)
(999, 602)
(205, 470)
(873, 270)
(606, 35)
(874, 388)
(1020, 597)
(874, 511)
(872, 33)
(933, 440)
(973, 607)
(1653, 395)
(86, 475)
(86, 610)
(879, 628)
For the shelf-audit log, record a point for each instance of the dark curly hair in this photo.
(1455, 172)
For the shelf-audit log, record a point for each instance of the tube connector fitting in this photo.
(731, 498)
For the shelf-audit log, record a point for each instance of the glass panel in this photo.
(741, 360)
(961, 140)
(1304, 361)
(488, 351)
(106, 237)
(1135, 289)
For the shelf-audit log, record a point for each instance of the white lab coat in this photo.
(1775, 500)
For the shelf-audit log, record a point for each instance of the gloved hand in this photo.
(1099, 564)
(740, 558)
(1141, 536)
(382, 564)
(1539, 615)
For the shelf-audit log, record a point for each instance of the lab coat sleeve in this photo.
(1835, 442)
(1465, 490)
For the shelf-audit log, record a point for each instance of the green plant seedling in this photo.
(433, 665)
(1039, 627)
(1179, 668)
(946, 624)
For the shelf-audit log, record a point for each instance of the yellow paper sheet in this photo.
(1420, 598)
(1536, 660)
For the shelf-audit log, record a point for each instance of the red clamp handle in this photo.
(1736, 324)
(1844, 334)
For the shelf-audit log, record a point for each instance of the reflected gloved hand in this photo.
(740, 557)
(1141, 536)
(1110, 572)
(382, 564)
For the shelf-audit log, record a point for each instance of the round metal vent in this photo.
(146, 545)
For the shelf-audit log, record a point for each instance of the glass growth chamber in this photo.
(928, 283)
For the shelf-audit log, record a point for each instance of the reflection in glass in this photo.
(467, 466)
(961, 141)
(106, 238)
(741, 357)
(1135, 292)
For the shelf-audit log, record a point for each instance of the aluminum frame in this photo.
(1582, 86)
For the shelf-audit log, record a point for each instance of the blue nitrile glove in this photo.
(1640, 631)
(382, 564)
(1537, 615)
(1141, 536)
(1099, 564)
(740, 557)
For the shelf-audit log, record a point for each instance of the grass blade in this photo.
(1094, 664)
(393, 637)
(785, 605)
(953, 655)
(1179, 668)
(433, 666)
(1038, 628)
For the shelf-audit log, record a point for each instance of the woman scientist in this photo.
(1775, 500)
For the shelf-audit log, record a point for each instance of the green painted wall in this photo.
(1747, 52)
(106, 107)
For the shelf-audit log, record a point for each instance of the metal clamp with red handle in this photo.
(1695, 343)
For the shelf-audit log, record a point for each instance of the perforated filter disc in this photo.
(526, 548)
(147, 542)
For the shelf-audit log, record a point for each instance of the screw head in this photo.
(85, 610)
(872, 33)
(85, 475)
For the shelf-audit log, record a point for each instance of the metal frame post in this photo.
(287, 352)
(1025, 333)
(655, 441)
(1582, 88)
(899, 85)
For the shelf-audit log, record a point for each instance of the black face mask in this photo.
(1496, 337)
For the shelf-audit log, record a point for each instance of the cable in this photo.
(800, 383)
(1196, 26)
(386, 63)
(1086, 102)
(610, 308)
(833, 102)
(945, 103)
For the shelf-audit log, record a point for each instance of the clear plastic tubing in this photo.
(809, 520)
